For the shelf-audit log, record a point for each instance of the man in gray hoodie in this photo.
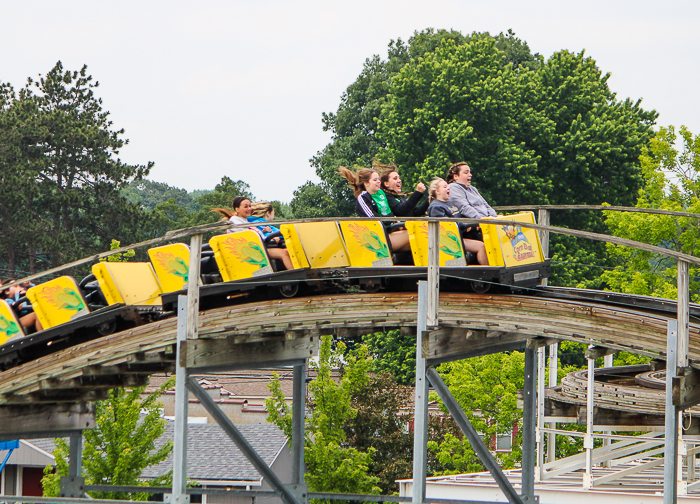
(463, 195)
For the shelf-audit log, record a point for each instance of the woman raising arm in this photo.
(400, 204)
(372, 201)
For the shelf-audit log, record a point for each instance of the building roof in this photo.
(244, 384)
(45, 444)
(211, 455)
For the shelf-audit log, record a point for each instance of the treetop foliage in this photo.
(671, 182)
(534, 130)
(60, 171)
(332, 465)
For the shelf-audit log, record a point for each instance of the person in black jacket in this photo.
(440, 206)
(401, 204)
(372, 202)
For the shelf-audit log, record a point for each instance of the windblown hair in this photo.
(386, 171)
(356, 179)
(453, 170)
(432, 188)
(227, 212)
(261, 208)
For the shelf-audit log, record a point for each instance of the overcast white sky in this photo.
(237, 88)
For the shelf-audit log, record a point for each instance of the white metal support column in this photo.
(187, 323)
(677, 347)
(671, 421)
(75, 465)
(179, 495)
(298, 419)
(420, 417)
(588, 439)
(608, 362)
(683, 317)
(540, 413)
(553, 381)
(683, 286)
(428, 301)
(529, 410)
(193, 286)
(433, 273)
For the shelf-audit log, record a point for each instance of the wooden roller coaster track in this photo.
(250, 334)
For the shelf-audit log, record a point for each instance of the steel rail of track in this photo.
(80, 372)
(633, 301)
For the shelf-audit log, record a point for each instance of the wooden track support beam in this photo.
(45, 420)
(455, 343)
(226, 353)
(686, 388)
(594, 351)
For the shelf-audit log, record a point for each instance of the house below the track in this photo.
(22, 474)
(214, 462)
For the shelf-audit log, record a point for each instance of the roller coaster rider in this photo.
(401, 204)
(242, 209)
(372, 202)
(442, 206)
(467, 199)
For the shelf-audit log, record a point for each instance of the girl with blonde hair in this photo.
(441, 206)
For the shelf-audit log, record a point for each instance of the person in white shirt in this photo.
(242, 209)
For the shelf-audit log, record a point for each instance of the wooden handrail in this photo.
(655, 211)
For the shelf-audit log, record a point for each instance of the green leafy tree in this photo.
(60, 160)
(81, 177)
(172, 214)
(672, 182)
(20, 220)
(381, 424)
(354, 126)
(169, 215)
(486, 388)
(556, 134)
(393, 352)
(332, 465)
(551, 133)
(121, 256)
(119, 448)
(221, 197)
(149, 194)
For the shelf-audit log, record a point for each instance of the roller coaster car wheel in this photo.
(289, 290)
(371, 287)
(480, 287)
(106, 328)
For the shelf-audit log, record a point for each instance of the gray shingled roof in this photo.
(245, 384)
(211, 455)
(45, 444)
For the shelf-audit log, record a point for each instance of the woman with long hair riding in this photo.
(372, 202)
(401, 205)
(242, 209)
